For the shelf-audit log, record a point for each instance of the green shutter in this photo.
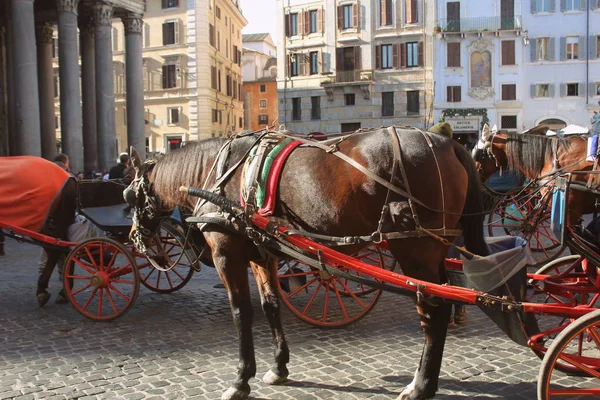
(563, 89)
(563, 48)
(533, 47)
(551, 90)
(593, 54)
(532, 91)
(533, 6)
(581, 48)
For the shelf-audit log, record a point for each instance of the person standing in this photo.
(116, 172)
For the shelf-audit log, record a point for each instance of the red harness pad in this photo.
(273, 180)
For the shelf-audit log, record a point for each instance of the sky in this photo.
(261, 17)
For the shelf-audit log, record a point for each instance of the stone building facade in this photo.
(349, 64)
(259, 67)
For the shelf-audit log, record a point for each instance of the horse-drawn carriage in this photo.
(553, 312)
(101, 274)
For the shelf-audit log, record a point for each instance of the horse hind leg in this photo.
(48, 262)
(265, 275)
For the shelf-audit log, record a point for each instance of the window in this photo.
(263, 88)
(54, 47)
(597, 93)
(387, 60)
(219, 88)
(169, 77)
(313, 21)
(215, 115)
(572, 89)
(56, 85)
(346, 16)
(508, 122)
(173, 116)
(296, 112)
(173, 143)
(542, 90)
(453, 94)
(509, 92)
(508, 52)
(542, 5)
(227, 48)
(453, 53)
(387, 104)
(349, 99)
(211, 35)
(315, 107)
(293, 24)
(241, 122)
(294, 65)
(169, 33)
(572, 44)
(542, 49)
(349, 127)
(412, 14)
(385, 12)
(235, 55)
(213, 77)
(228, 85)
(263, 119)
(170, 3)
(218, 12)
(412, 54)
(263, 104)
(412, 102)
(572, 5)
(57, 122)
(218, 40)
(597, 44)
(314, 62)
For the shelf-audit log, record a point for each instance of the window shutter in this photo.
(552, 5)
(532, 91)
(593, 47)
(357, 59)
(382, 12)
(594, 4)
(306, 22)
(563, 48)
(563, 89)
(505, 92)
(448, 94)
(414, 11)
(551, 90)
(581, 48)
(504, 52)
(320, 20)
(582, 5)
(303, 64)
(563, 5)
(458, 93)
(551, 49)
(340, 12)
(402, 55)
(287, 25)
(378, 57)
(325, 63)
(533, 47)
(581, 89)
(177, 27)
(164, 76)
(165, 33)
(339, 57)
(355, 15)
(592, 89)
(533, 6)
(395, 62)
(421, 51)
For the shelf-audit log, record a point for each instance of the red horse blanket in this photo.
(28, 187)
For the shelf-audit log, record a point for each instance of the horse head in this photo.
(148, 208)
(489, 154)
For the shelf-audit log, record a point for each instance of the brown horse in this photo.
(537, 156)
(321, 193)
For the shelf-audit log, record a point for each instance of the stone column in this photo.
(135, 86)
(105, 95)
(88, 89)
(44, 34)
(26, 99)
(70, 98)
(3, 94)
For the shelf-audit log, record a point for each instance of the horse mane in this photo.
(531, 152)
(183, 167)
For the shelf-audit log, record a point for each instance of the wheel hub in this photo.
(100, 280)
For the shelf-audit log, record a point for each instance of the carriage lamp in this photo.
(525, 38)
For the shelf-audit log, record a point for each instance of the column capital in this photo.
(67, 6)
(133, 24)
(87, 27)
(103, 14)
(44, 33)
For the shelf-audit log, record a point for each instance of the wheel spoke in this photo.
(312, 298)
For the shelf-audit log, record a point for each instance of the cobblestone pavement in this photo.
(183, 346)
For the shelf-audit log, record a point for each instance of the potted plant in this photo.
(437, 29)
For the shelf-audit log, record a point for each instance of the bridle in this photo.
(485, 146)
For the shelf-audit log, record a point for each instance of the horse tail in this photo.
(472, 220)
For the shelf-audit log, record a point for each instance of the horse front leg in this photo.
(265, 273)
(48, 260)
(434, 322)
(231, 263)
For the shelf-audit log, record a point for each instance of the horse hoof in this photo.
(271, 378)
(43, 298)
(410, 393)
(234, 394)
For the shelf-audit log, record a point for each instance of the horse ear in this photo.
(135, 158)
(494, 128)
(485, 133)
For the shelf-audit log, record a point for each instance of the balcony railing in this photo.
(480, 24)
(347, 76)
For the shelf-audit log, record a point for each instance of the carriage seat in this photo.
(113, 219)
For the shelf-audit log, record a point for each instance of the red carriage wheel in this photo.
(167, 249)
(578, 346)
(521, 213)
(328, 301)
(101, 279)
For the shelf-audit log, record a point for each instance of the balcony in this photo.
(362, 79)
(479, 24)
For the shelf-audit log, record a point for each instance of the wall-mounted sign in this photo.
(464, 124)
